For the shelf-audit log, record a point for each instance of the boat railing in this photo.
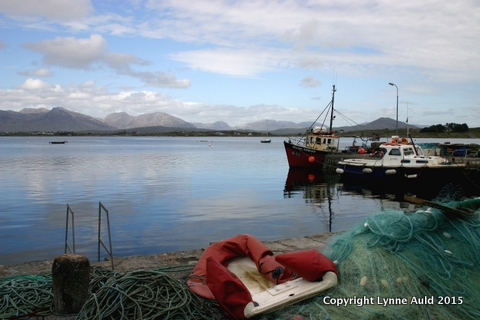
(298, 140)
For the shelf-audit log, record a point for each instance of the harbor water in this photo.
(164, 194)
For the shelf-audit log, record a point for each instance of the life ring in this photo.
(404, 141)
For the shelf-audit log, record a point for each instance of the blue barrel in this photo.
(460, 151)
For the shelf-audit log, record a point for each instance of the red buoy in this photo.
(311, 159)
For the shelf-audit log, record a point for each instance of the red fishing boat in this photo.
(310, 150)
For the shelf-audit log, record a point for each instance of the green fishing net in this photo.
(422, 264)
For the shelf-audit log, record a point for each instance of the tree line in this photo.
(448, 127)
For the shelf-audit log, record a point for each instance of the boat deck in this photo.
(331, 160)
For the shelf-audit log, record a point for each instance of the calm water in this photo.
(163, 194)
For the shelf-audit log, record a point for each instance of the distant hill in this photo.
(272, 125)
(379, 124)
(123, 120)
(260, 125)
(61, 119)
(218, 125)
(57, 119)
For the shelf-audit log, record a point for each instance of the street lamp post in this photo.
(396, 125)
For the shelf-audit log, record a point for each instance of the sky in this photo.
(244, 61)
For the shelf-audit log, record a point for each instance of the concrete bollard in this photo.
(70, 282)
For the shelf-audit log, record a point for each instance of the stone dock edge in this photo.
(168, 259)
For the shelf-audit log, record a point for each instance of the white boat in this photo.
(398, 161)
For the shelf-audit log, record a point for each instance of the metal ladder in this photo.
(101, 209)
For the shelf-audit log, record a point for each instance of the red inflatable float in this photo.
(309, 271)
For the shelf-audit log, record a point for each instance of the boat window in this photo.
(422, 161)
(405, 161)
(329, 141)
(408, 151)
(381, 152)
(319, 140)
(395, 152)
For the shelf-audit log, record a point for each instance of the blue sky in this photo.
(244, 61)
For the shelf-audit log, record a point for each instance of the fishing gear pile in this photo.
(398, 265)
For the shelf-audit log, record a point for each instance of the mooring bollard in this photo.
(70, 282)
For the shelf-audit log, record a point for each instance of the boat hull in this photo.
(303, 157)
(425, 181)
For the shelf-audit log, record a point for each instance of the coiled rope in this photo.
(145, 294)
(142, 294)
(25, 296)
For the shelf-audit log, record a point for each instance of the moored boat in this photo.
(310, 150)
(266, 139)
(399, 162)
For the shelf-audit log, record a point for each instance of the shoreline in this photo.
(167, 259)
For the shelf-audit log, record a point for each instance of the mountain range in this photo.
(60, 119)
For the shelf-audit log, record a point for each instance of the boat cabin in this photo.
(318, 139)
(398, 154)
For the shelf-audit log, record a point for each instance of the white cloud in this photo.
(34, 84)
(310, 82)
(121, 61)
(70, 52)
(240, 62)
(41, 72)
(354, 36)
(88, 53)
(51, 9)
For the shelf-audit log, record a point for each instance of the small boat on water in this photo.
(266, 139)
(247, 279)
(398, 161)
(58, 142)
(310, 150)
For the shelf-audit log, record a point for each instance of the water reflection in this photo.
(317, 187)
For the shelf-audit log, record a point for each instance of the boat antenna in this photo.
(413, 144)
(331, 113)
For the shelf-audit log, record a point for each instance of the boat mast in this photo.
(331, 113)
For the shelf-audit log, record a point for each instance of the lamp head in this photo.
(392, 84)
